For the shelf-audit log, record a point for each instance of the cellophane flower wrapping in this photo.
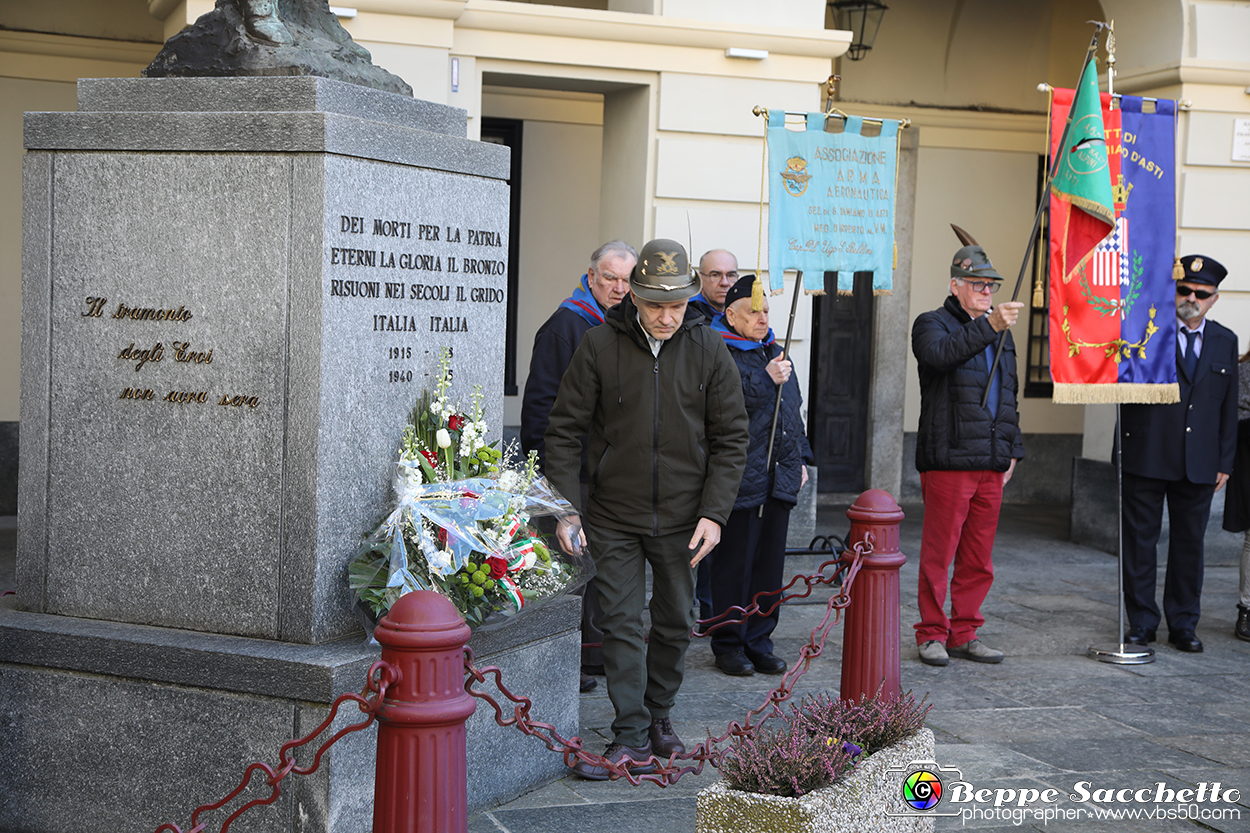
(465, 524)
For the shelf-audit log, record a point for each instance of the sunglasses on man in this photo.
(1186, 291)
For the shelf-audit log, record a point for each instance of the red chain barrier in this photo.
(382, 675)
(668, 772)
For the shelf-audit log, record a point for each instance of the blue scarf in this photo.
(736, 341)
(583, 303)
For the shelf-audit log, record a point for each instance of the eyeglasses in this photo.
(981, 286)
(716, 276)
(1186, 291)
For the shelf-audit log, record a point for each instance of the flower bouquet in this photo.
(465, 523)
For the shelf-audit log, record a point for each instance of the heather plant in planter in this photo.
(872, 723)
(794, 760)
(825, 766)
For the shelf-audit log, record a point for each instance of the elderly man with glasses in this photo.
(1182, 452)
(965, 452)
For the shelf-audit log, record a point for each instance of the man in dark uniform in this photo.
(1182, 452)
(602, 287)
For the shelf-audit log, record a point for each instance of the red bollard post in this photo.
(420, 782)
(870, 650)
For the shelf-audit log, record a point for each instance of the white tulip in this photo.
(443, 438)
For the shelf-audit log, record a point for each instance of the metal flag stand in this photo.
(1121, 653)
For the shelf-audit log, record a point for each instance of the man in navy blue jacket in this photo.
(603, 286)
(751, 556)
(1184, 452)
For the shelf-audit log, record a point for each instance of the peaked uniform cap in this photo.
(973, 262)
(662, 273)
(1203, 269)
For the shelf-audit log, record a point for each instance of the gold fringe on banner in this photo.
(1178, 271)
(813, 292)
(882, 292)
(1124, 393)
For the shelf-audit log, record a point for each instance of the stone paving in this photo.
(1046, 717)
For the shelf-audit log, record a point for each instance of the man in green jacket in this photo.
(660, 400)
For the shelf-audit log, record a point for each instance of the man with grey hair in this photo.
(603, 286)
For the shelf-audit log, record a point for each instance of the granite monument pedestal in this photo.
(234, 291)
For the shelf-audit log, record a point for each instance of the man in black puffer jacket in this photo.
(751, 556)
(965, 453)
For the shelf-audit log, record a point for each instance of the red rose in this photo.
(442, 537)
(430, 457)
(498, 567)
(455, 422)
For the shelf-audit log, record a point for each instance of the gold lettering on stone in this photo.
(186, 397)
(150, 314)
(153, 354)
(183, 353)
(137, 393)
(239, 400)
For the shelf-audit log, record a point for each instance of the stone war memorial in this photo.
(237, 279)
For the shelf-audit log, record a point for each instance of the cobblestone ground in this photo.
(1047, 717)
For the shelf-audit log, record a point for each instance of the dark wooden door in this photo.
(508, 132)
(837, 409)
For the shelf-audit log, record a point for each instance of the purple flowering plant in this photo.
(820, 740)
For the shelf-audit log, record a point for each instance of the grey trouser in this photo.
(643, 678)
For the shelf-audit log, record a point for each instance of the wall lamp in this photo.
(863, 19)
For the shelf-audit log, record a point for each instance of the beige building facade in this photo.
(635, 121)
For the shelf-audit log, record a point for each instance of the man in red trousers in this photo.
(965, 453)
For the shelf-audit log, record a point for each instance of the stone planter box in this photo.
(858, 802)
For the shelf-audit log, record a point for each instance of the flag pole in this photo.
(785, 354)
(1041, 207)
(1120, 653)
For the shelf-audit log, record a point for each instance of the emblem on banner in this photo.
(795, 176)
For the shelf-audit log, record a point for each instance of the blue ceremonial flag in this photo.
(831, 203)
(1113, 319)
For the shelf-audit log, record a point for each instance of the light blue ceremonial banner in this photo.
(831, 203)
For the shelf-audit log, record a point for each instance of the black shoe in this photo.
(768, 663)
(735, 664)
(664, 740)
(1185, 640)
(588, 683)
(1139, 635)
(1242, 628)
(616, 753)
